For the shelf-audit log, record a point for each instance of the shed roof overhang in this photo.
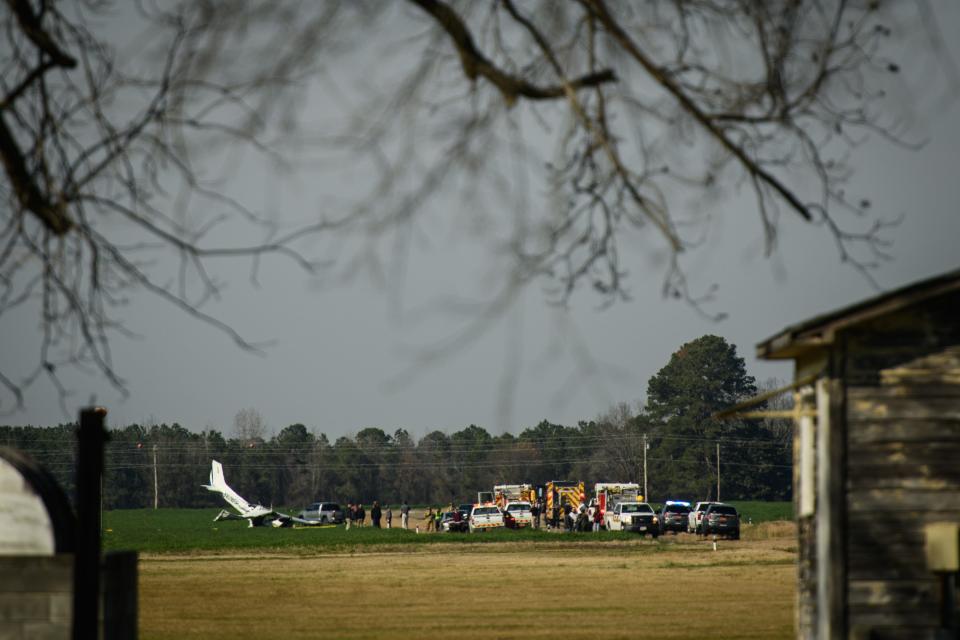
(819, 332)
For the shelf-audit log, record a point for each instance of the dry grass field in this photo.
(676, 588)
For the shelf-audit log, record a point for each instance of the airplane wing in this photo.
(286, 520)
(307, 523)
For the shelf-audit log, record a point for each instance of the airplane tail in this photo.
(218, 484)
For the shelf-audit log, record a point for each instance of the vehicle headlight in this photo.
(655, 521)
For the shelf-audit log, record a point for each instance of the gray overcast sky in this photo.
(345, 357)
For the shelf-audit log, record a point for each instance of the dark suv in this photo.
(674, 516)
(721, 519)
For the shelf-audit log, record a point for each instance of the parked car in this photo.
(632, 516)
(517, 515)
(696, 516)
(484, 517)
(465, 510)
(453, 522)
(674, 516)
(325, 512)
(721, 519)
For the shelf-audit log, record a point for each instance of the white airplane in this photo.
(256, 514)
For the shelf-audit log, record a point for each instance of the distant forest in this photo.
(169, 463)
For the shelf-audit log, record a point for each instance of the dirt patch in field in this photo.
(503, 590)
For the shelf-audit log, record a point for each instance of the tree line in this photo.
(168, 464)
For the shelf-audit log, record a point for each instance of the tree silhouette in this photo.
(114, 161)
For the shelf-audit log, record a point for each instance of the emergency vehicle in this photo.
(517, 515)
(561, 492)
(484, 517)
(608, 494)
(504, 493)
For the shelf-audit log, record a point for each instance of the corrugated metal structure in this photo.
(876, 458)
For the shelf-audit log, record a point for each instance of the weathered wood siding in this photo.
(36, 596)
(903, 463)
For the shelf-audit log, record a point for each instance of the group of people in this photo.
(566, 516)
(356, 516)
(433, 520)
(571, 519)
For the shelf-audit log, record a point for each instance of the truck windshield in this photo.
(636, 508)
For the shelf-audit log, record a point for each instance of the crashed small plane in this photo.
(256, 514)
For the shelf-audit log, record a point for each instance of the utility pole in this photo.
(156, 485)
(646, 496)
(718, 471)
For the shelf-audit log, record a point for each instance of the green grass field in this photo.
(188, 530)
(205, 579)
(569, 589)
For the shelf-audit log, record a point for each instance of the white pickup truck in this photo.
(484, 517)
(632, 516)
(518, 515)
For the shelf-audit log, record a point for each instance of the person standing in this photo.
(362, 515)
(429, 519)
(375, 514)
(535, 512)
(597, 518)
(405, 515)
(389, 517)
(348, 516)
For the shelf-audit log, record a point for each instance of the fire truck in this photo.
(561, 492)
(504, 493)
(608, 494)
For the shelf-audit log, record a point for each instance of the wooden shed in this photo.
(876, 458)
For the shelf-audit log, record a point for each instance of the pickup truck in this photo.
(517, 515)
(632, 516)
(484, 517)
(323, 512)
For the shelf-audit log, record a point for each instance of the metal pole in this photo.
(156, 486)
(718, 471)
(86, 563)
(646, 496)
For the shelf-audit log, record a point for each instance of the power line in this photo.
(276, 449)
(414, 465)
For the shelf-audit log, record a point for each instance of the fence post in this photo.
(120, 595)
(86, 563)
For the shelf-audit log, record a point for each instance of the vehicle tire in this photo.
(735, 536)
(324, 520)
